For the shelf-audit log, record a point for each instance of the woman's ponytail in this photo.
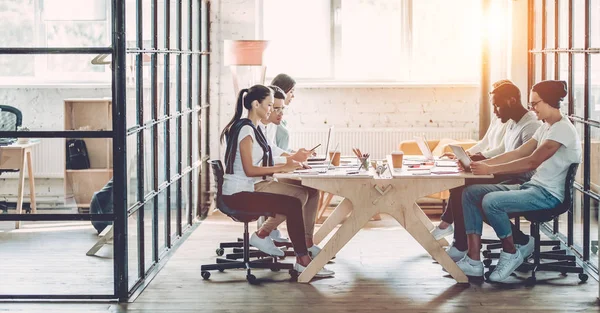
(239, 108)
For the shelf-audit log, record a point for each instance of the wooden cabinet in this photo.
(89, 114)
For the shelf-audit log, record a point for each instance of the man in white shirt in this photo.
(521, 125)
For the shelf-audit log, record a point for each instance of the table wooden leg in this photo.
(336, 217)
(427, 222)
(20, 190)
(355, 221)
(323, 206)
(31, 183)
(415, 227)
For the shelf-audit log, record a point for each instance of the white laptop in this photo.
(321, 157)
(424, 147)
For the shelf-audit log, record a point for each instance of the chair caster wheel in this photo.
(487, 262)
(555, 248)
(221, 270)
(275, 269)
(220, 251)
(564, 274)
(251, 279)
(486, 253)
(530, 281)
(205, 275)
(294, 275)
(583, 277)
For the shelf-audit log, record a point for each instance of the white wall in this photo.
(345, 107)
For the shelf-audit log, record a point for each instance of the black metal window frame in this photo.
(198, 41)
(585, 121)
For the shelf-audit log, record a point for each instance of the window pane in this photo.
(17, 30)
(563, 23)
(537, 63)
(550, 65)
(537, 9)
(595, 87)
(550, 36)
(579, 23)
(578, 218)
(578, 81)
(437, 29)
(367, 25)
(291, 46)
(595, 187)
(595, 24)
(17, 23)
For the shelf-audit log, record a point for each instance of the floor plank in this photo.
(381, 269)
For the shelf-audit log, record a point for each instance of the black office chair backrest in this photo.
(566, 205)
(10, 118)
(218, 173)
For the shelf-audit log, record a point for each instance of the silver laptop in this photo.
(322, 158)
(320, 169)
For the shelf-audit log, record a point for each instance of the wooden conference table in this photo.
(367, 194)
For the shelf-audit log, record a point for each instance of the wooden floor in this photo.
(380, 270)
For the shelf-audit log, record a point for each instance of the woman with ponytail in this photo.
(249, 160)
(550, 152)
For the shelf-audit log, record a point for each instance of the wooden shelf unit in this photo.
(89, 114)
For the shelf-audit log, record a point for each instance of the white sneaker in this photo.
(314, 251)
(507, 264)
(321, 274)
(265, 245)
(439, 233)
(470, 267)
(455, 254)
(527, 249)
(277, 237)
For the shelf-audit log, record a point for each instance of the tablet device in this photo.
(462, 157)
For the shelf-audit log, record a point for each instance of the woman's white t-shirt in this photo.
(238, 181)
(551, 174)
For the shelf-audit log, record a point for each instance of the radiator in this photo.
(48, 159)
(377, 141)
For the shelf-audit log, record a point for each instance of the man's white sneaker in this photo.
(455, 254)
(439, 233)
(321, 274)
(265, 245)
(507, 264)
(470, 267)
(277, 237)
(527, 249)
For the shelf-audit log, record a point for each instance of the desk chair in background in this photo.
(243, 217)
(10, 119)
(562, 262)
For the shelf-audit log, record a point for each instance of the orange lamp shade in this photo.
(244, 52)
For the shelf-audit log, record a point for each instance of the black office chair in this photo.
(562, 262)
(10, 119)
(244, 217)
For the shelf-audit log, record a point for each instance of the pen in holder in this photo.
(364, 162)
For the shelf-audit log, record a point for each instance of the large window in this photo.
(573, 57)
(383, 40)
(49, 24)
